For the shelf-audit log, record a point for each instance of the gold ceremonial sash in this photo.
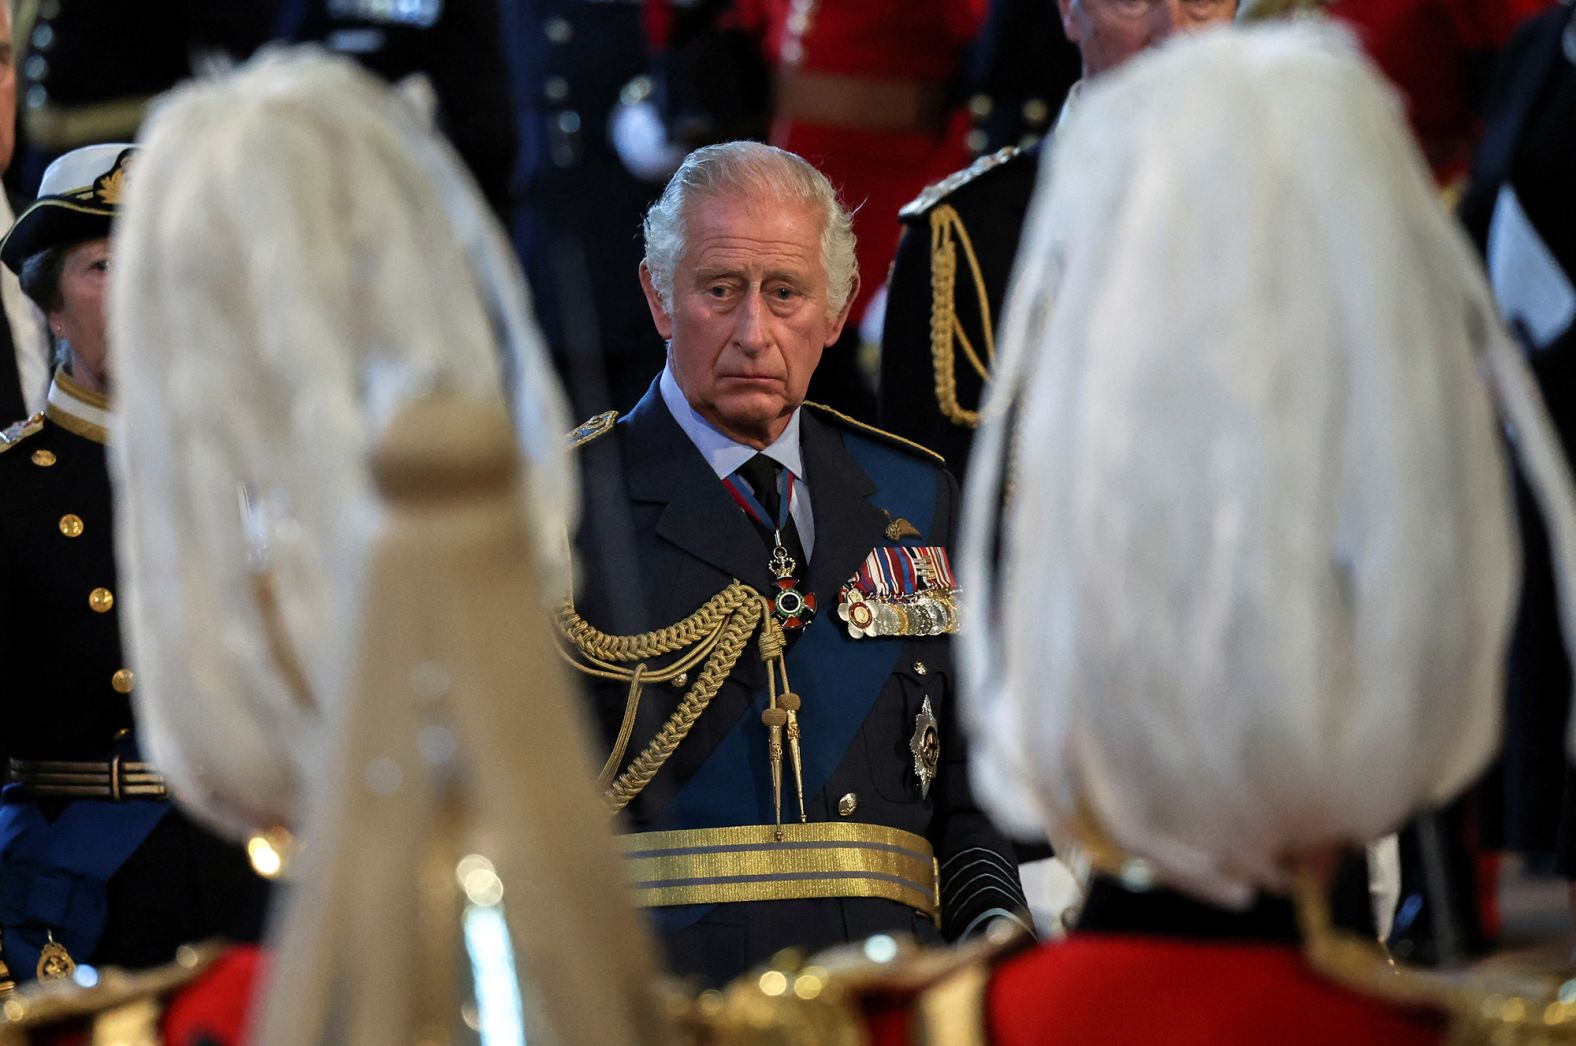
(825, 859)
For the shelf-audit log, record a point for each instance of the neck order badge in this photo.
(794, 609)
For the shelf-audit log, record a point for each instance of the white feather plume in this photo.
(1257, 563)
(299, 254)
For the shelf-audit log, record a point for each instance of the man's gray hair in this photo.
(749, 169)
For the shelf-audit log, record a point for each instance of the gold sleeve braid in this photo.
(717, 634)
(947, 233)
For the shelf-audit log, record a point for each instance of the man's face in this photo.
(750, 317)
(1109, 32)
(7, 89)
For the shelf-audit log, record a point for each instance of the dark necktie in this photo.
(763, 475)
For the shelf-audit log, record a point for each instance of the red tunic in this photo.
(877, 169)
(1432, 51)
(1113, 990)
(1118, 989)
(212, 1010)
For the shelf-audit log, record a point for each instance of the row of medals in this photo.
(932, 612)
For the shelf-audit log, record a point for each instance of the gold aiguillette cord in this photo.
(782, 710)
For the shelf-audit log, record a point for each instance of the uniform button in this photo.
(975, 141)
(558, 30)
(44, 37)
(123, 680)
(37, 97)
(1035, 111)
(555, 88)
(681, 680)
(919, 668)
(121, 733)
(980, 106)
(71, 525)
(36, 67)
(43, 458)
(848, 804)
(101, 600)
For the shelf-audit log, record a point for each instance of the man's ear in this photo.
(836, 330)
(659, 315)
(1069, 25)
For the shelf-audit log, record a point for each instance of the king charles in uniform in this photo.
(765, 603)
(95, 865)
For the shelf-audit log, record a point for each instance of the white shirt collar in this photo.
(78, 409)
(720, 451)
(1067, 104)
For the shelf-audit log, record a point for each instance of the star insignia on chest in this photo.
(926, 746)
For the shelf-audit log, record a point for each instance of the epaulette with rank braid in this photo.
(592, 428)
(952, 252)
(837, 417)
(934, 194)
(20, 431)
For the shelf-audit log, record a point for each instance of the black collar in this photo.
(1111, 908)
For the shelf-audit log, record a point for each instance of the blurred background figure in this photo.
(960, 236)
(578, 75)
(871, 93)
(24, 348)
(337, 578)
(1518, 209)
(88, 68)
(1020, 70)
(1440, 55)
(96, 867)
(1258, 563)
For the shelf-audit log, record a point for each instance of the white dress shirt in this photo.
(726, 456)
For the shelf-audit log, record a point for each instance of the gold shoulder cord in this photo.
(716, 634)
(945, 226)
(1490, 1007)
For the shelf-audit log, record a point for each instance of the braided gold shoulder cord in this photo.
(715, 634)
(945, 224)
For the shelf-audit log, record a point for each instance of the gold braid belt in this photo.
(713, 637)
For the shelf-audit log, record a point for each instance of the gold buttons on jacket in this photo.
(101, 600)
(848, 804)
(43, 458)
(123, 680)
(71, 525)
(919, 668)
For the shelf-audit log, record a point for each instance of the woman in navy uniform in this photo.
(95, 865)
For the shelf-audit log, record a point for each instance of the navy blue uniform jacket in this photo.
(659, 536)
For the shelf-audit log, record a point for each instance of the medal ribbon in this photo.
(905, 570)
(752, 506)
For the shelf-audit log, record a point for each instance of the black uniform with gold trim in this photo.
(66, 718)
(944, 300)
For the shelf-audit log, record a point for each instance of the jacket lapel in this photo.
(847, 525)
(700, 518)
